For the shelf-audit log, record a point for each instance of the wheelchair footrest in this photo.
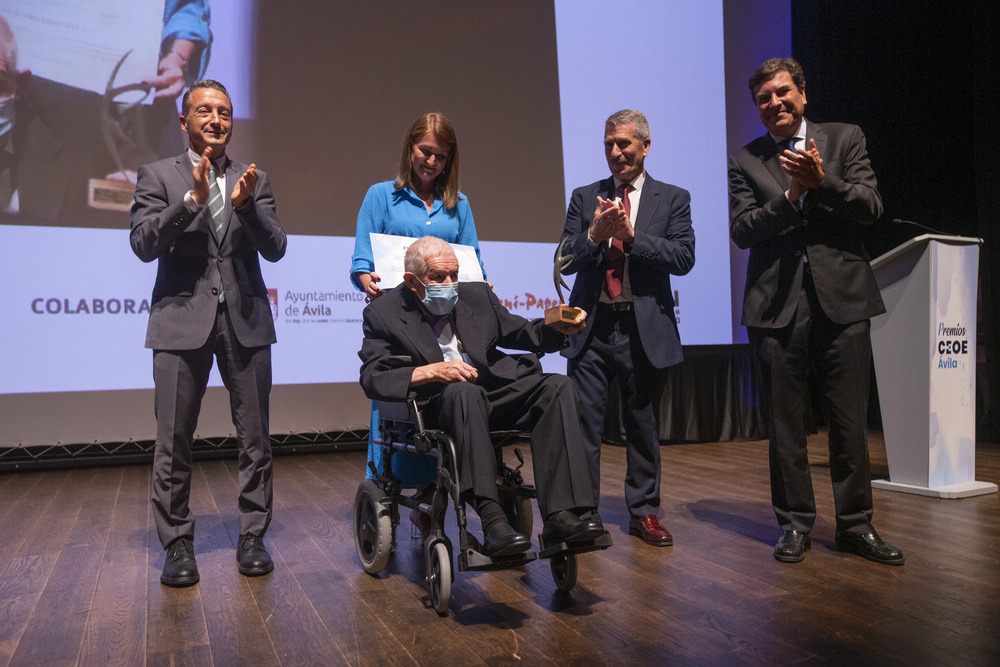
(472, 560)
(560, 548)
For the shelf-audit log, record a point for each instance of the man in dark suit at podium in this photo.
(798, 198)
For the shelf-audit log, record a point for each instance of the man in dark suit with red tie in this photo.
(205, 219)
(625, 236)
(798, 199)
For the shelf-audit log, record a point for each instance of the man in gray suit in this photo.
(209, 300)
(798, 198)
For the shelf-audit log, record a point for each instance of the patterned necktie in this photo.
(615, 270)
(786, 145)
(216, 204)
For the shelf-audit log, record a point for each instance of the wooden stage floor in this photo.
(80, 566)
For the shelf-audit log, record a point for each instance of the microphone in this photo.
(897, 221)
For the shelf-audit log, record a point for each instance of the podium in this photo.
(924, 348)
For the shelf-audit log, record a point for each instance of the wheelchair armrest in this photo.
(396, 411)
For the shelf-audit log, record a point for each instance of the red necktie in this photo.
(615, 271)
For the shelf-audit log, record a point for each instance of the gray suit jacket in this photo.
(664, 245)
(827, 229)
(193, 265)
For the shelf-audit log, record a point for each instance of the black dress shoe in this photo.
(565, 526)
(870, 546)
(252, 556)
(180, 569)
(792, 546)
(594, 523)
(502, 540)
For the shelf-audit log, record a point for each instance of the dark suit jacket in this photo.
(57, 145)
(827, 229)
(193, 264)
(395, 325)
(664, 244)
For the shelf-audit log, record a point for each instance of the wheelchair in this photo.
(377, 502)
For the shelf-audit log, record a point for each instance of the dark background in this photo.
(921, 79)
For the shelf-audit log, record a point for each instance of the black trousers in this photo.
(616, 351)
(840, 355)
(544, 405)
(180, 378)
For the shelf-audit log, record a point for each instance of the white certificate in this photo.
(79, 43)
(388, 251)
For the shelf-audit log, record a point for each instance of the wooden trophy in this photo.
(562, 312)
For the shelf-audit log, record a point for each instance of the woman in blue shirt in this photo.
(423, 200)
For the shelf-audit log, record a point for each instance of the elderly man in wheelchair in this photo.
(434, 341)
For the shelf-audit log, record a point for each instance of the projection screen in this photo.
(322, 95)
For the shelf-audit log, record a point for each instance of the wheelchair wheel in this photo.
(372, 527)
(518, 512)
(439, 577)
(564, 571)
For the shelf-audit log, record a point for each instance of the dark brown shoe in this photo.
(650, 531)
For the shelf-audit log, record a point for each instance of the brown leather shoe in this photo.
(650, 530)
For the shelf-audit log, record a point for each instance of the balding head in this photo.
(422, 251)
(429, 261)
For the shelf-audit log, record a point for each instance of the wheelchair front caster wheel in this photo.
(439, 577)
(564, 571)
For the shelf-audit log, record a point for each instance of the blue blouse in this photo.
(189, 19)
(387, 210)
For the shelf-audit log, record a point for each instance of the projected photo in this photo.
(91, 91)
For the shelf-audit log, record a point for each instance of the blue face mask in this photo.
(440, 298)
